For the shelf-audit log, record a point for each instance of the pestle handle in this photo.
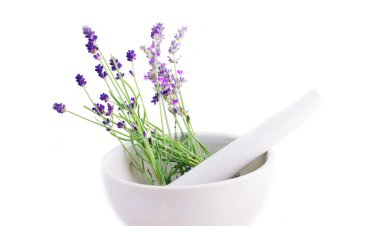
(225, 163)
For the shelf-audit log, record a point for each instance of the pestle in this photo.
(225, 163)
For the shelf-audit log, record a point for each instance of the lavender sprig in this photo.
(99, 109)
(60, 108)
(104, 97)
(131, 55)
(80, 80)
(100, 70)
(115, 64)
(176, 44)
(121, 114)
(91, 44)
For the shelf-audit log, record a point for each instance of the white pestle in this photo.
(225, 163)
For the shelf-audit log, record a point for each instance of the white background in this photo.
(244, 60)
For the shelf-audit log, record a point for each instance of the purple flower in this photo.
(131, 55)
(99, 109)
(181, 33)
(165, 92)
(113, 66)
(107, 124)
(91, 37)
(121, 125)
(91, 47)
(99, 69)
(168, 84)
(97, 56)
(60, 108)
(118, 75)
(152, 53)
(157, 35)
(131, 72)
(107, 121)
(104, 97)
(80, 80)
(155, 98)
(157, 31)
(150, 76)
(178, 82)
(152, 60)
(146, 51)
(174, 47)
(134, 127)
(133, 100)
(110, 109)
(88, 32)
(176, 43)
(174, 109)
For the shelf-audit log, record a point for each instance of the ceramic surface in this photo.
(233, 202)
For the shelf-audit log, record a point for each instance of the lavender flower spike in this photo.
(99, 69)
(176, 43)
(110, 109)
(88, 33)
(157, 31)
(91, 37)
(113, 66)
(99, 109)
(133, 100)
(107, 124)
(119, 75)
(181, 33)
(131, 55)
(60, 108)
(104, 97)
(155, 99)
(121, 125)
(80, 80)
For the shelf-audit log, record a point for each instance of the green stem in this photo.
(187, 122)
(96, 123)
(130, 155)
(121, 78)
(89, 97)
(138, 89)
(166, 117)
(110, 74)
(179, 125)
(109, 88)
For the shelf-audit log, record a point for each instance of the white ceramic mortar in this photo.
(233, 202)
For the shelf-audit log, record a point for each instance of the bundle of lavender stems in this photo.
(162, 151)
